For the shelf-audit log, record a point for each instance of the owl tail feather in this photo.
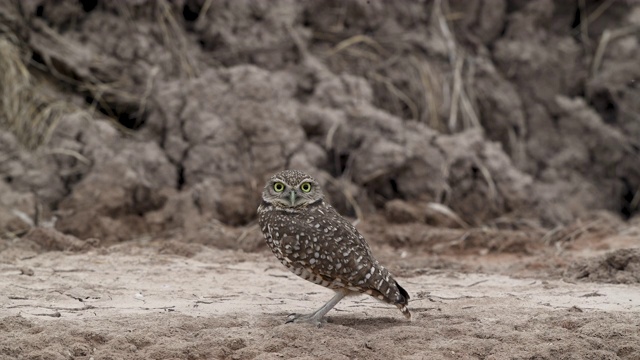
(405, 311)
(402, 304)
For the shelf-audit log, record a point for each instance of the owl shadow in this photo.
(364, 323)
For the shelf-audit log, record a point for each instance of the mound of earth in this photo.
(619, 267)
(495, 115)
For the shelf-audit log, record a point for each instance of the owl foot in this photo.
(317, 317)
(313, 318)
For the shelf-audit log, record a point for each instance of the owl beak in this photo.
(292, 197)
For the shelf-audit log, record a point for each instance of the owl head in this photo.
(290, 189)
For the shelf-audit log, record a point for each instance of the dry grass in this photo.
(460, 101)
(432, 91)
(608, 36)
(348, 196)
(561, 236)
(396, 92)
(447, 212)
(357, 39)
(175, 39)
(440, 96)
(586, 19)
(25, 111)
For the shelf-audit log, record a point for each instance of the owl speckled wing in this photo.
(338, 256)
(360, 269)
(330, 247)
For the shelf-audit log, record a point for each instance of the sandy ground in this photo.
(133, 301)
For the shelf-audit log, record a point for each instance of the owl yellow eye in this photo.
(278, 187)
(305, 187)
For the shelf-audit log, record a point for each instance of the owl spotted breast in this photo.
(312, 240)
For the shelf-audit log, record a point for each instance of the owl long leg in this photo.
(316, 316)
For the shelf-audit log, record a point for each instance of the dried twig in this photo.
(301, 46)
(246, 231)
(608, 36)
(455, 96)
(397, 93)
(584, 22)
(331, 133)
(350, 199)
(477, 282)
(446, 211)
(203, 11)
(635, 201)
(428, 89)
(357, 39)
(459, 98)
(493, 192)
(76, 155)
(173, 34)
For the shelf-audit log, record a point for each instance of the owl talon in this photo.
(291, 318)
(309, 319)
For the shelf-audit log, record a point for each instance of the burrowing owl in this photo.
(311, 239)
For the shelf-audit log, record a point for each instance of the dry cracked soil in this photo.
(141, 301)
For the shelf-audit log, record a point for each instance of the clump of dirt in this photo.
(52, 240)
(441, 240)
(17, 210)
(621, 266)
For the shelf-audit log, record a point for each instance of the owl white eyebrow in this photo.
(310, 181)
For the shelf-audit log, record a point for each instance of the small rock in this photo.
(26, 271)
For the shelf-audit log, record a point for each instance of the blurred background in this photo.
(489, 151)
(446, 126)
